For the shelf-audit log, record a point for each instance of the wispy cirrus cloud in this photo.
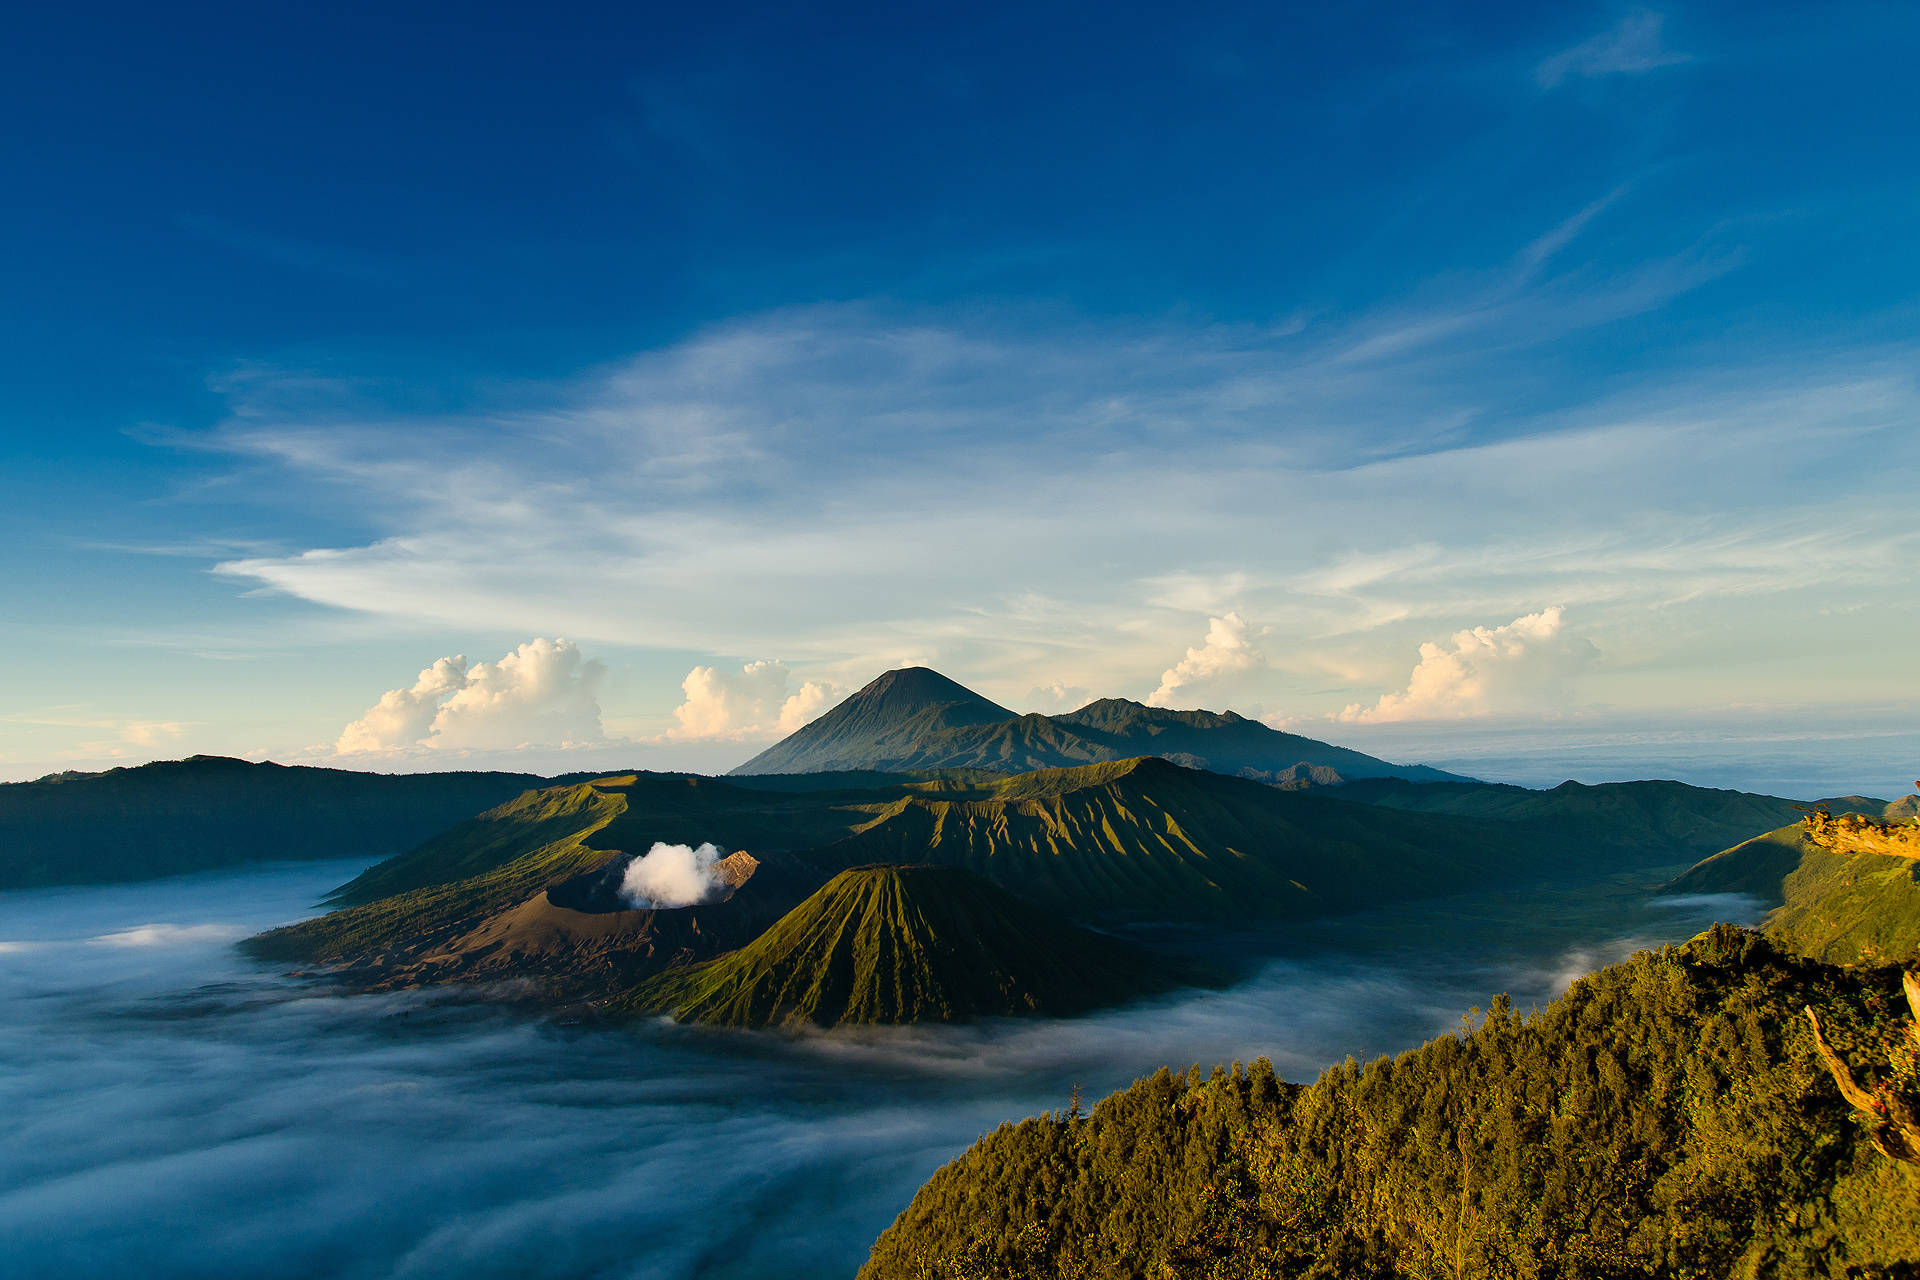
(1043, 501)
(1634, 47)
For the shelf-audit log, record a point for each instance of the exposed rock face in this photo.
(1853, 833)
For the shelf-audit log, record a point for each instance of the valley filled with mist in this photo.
(173, 1109)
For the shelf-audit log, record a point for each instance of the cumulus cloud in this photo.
(544, 693)
(1529, 664)
(1632, 48)
(756, 702)
(673, 875)
(1056, 697)
(1228, 650)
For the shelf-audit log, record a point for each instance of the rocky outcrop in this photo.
(1852, 833)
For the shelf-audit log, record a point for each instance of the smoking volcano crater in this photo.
(629, 919)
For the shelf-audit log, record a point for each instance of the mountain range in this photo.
(204, 812)
(916, 718)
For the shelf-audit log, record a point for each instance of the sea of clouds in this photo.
(168, 1108)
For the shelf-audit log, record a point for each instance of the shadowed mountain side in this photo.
(1146, 839)
(176, 816)
(878, 727)
(905, 944)
(919, 719)
(1651, 821)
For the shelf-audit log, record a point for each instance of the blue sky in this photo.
(1420, 376)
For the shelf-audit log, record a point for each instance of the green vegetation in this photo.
(419, 900)
(1148, 839)
(1128, 840)
(902, 944)
(176, 816)
(1835, 900)
(1667, 1117)
(918, 719)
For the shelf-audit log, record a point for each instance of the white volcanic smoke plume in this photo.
(673, 875)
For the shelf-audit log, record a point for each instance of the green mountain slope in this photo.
(176, 816)
(1667, 1117)
(1654, 821)
(1149, 839)
(918, 719)
(903, 944)
(1841, 900)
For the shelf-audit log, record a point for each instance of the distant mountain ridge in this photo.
(916, 718)
(204, 812)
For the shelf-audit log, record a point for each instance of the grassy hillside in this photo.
(1845, 905)
(917, 719)
(902, 944)
(1148, 839)
(1667, 1117)
(176, 816)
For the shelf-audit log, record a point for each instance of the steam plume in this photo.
(673, 875)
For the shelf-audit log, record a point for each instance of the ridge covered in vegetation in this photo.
(1149, 839)
(1669, 1116)
(176, 816)
(904, 944)
(1845, 889)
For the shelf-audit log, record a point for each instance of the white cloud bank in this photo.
(1529, 664)
(1229, 650)
(754, 703)
(544, 693)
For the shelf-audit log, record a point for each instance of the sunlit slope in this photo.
(1149, 839)
(1668, 1116)
(1650, 821)
(900, 944)
(176, 816)
(1848, 904)
(918, 719)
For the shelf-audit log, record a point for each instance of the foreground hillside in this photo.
(1669, 1116)
(916, 718)
(904, 944)
(1845, 889)
(177, 816)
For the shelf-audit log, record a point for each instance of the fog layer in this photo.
(168, 1108)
